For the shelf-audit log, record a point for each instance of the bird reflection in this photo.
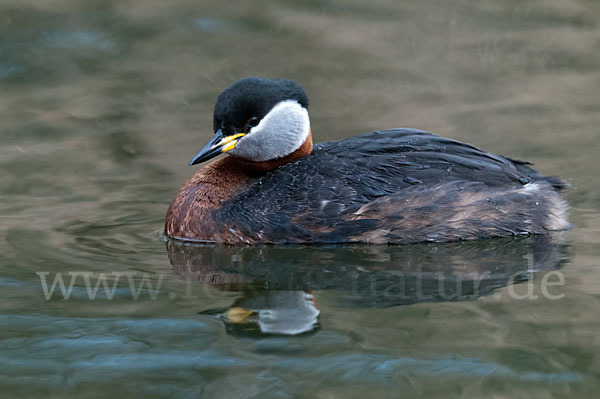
(277, 284)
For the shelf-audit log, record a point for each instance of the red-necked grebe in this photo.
(390, 186)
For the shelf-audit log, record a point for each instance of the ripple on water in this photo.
(77, 39)
(207, 24)
(64, 352)
(9, 70)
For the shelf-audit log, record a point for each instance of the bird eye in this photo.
(253, 121)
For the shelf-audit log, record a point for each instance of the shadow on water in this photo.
(278, 284)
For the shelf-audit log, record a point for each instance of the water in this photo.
(103, 103)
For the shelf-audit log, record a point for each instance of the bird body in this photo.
(394, 186)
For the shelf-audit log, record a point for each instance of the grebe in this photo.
(393, 186)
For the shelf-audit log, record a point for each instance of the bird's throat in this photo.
(265, 166)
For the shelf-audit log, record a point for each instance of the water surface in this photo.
(103, 103)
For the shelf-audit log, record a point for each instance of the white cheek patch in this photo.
(282, 131)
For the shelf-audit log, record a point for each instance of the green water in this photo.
(103, 103)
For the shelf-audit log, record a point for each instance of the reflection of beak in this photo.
(216, 146)
(239, 315)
